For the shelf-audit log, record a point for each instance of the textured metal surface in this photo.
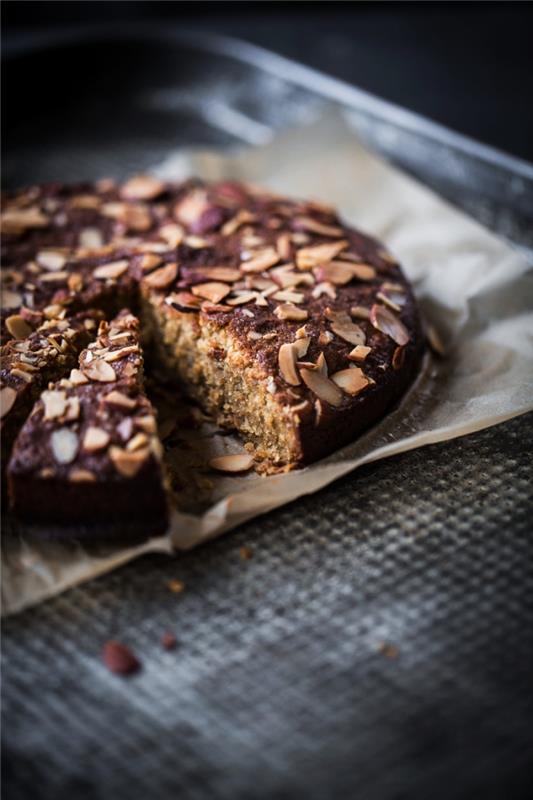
(279, 686)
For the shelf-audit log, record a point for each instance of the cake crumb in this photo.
(246, 553)
(176, 586)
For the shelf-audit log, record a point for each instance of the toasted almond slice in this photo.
(18, 220)
(351, 380)
(183, 301)
(147, 423)
(286, 311)
(172, 234)
(325, 337)
(52, 260)
(163, 277)
(301, 345)
(142, 187)
(8, 395)
(117, 398)
(122, 352)
(196, 242)
(322, 364)
(324, 288)
(388, 302)
(310, 224)
(114, 269)
(54, 277)
(283, 246)
(336, 272)
(215, 291)
(10, 299)
(363, 272)
(226, 274)
(261, 261)
(17, 326)
(323, 387)
(21, 373)
(81, 476)
(242, 298)
(149, 261)
(210, 308)
(309, 257)
(360, 312)
(99, 370)
(359, 353)
(286, 277)
(301, 333)
(90, 238)
(342, 325)
(77, 377)
(287, 363)
(64, 444)
(95, 439)
(127, 464)
(191, 207)
(53, 311)
(55, 403)
(384, 320)
(289, 297)
(138, 441)
(73, 409)
(238, 462)
(241, 218)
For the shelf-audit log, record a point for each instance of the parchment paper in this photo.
(475, 290)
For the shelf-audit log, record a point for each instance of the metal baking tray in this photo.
(378, 643)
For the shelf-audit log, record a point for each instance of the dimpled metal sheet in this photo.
(377, 644)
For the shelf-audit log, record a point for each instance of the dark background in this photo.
(467, 65)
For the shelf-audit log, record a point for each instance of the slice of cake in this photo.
(89, 454)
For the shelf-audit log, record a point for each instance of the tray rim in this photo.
(291, 71)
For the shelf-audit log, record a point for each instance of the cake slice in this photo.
(89, 455)
(28, 364)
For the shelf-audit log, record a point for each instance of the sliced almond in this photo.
(122, 352)
(363, 272)
(54, 277)
(183, 301)
(289, 297)
(261, 261)
(310, 224)
(324, 288)
(352, 380)
(359, 353)
(17, 326)
(325, 337)
(342, 326)
(242, 298)
(227, 274)
(90, 238)
(95, 439)
(81, 476)
(191, 207)
(52, 260)
(17, 220)
(323, 387)
(142, 187)
(10, 299)
(287, 363)
(196, 242)
(77, 377)
(309, 257)
(163, 277)
(283, 246)
(147, 423)
(215, 291)
(116, 398)
(384, 320)
(8, 395)
(98, 370)
(360, 312)
(149, 262)
(383, 298)
(239, 462)
(127, 464)
(286, 311)
(138, 441)
(64, 444)
(55, 403)
(172, 234)
(112, 270)
(301, 345)
(241, 218)
(336, 272)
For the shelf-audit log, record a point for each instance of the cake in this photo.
(279, 320)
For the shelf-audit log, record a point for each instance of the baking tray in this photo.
(378, 644)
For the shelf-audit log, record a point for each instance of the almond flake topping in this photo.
(384, 320)
(322, 386)
(112, 270)
(289, 312)
(262, 260)
(127, 464)
(149, 262)
(138, 441)
(10, 299)
(324, 288)
(163, 277)
(64, 444)
(172, 234)
(17, 326)
(309, 257)
(238, 462)
(8, 396)
(18, 220)
(54, 277)
(242, 298)
(213, 291)
(77, 377)
(351, 380)
(388, 302)
(98, 370)
(310, 224)
(116, 398)
(336, 272)
(283, 246)
(360, 312)
(241, 218)
(122, 352)
(81, 476)
(226, 274)
(52, 260)
(55, 403)
(183, 301)
(342, 325)
(142, 187)
(289, 297)
(287, 364)
(90, 238)
(325, 337)
(359, 353)
(190, 209)
(95, 439)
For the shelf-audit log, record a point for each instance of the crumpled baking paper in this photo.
(473, 288)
